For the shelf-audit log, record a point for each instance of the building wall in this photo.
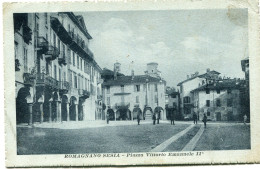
(227, 112)
(131, 97)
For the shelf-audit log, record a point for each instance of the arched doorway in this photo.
(111, 114)
(148, 112)
(136, 111)
(159, 110)
(64, 110)
(73, 102)
(22, 112)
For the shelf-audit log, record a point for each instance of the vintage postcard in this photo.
(131, 83)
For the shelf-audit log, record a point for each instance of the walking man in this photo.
(172, 118)
(107, 116)
(194, 118)
(154, 118)
(204, 120)
(138, 117)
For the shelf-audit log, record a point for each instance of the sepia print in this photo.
(130, 84)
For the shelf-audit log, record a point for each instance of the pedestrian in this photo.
(245, 119)
(158, 116)
(172, 118)
(138, 117)
(107, 116)
(195, 118)
(154, 118)
(204, 120)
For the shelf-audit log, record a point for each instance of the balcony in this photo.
(99, 97)
(52, 53)
(62, 58)
(84, 93)
(60, 30)
(64, 87)
(27, 34)
(45, 80)
(29, 79)
(122, 105)
(42, 43)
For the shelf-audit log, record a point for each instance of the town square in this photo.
(115, 82)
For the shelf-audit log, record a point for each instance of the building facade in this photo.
(125, 96)
(219, 98)
(57, 77)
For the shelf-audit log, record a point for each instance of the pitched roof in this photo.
(108, 72)
(200, 76)
(225, 84)
(124, 80)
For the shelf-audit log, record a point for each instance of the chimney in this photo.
(116, 69)
(133, 74)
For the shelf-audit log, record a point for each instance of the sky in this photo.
(182, 42)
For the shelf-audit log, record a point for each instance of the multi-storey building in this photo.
(210, 94)
(59, 70)
(172, 107)
(125, 96)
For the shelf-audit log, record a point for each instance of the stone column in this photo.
(77, 114)
(41, 112)
(115, 115)
(50, 111)
(68, 111)
(30, 114)
(58, 111)
(132, 114)
(83, 115)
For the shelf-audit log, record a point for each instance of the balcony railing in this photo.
(42, 43)
(43, 79)
(52, 53)
(29, 79)
(122, 105)
(84, 93)
(27, 33)
(64, 85)
(62, 58)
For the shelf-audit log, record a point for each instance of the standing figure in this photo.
(107, 116)
(204, 120)
(154, 118)
(245, 119)
(158, 116)
(172, 118)
(194, 118)
(138, 117)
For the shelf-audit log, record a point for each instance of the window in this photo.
(122, 88)
(155, 87)
(229, 102)
(80, 64)
(108, 100)
(208, 113)
(59, 74)
(55, 71)
(218, 103)
(137, 99)
(54, 40)
(156, 99)
(25, 60)
(207, 103)
(218, 91)
(186, 99)
(137, 88)
(207, 91)
(75, 82)
(108, 89)
(77, 61)
(59, 45)
(73, 54)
